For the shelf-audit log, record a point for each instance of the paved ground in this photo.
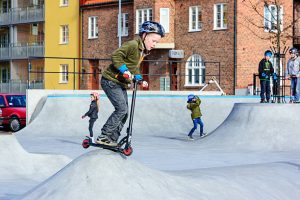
(251, 152)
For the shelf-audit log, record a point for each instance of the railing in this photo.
(22, 15)
(19, 86)
(21, 51)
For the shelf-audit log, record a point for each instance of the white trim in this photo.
(194, 10)
(93, 30)
(64, 3)
(165, 46)
(64, 39)
(222, 25)
(124, 31)
(140, 19)
(64, 73)
(196, 63)
(269, 17)
(165, 18)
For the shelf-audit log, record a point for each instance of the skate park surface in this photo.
(251, 152)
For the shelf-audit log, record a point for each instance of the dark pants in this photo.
(197, 121)
(265, 90)
(118, 97)
(91, 125)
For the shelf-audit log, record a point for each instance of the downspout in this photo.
(293, 23)
(235, 45)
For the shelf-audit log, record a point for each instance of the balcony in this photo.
(21, 51)
(22, 15)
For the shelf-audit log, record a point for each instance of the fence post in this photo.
(29, 71)
(254, 84)
(74, 74)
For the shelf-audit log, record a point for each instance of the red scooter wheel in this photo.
(85, 144)
(127, 151)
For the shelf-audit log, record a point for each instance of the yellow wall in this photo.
(55, 16)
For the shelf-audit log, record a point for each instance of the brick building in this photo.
(204, 38)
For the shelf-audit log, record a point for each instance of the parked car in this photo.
(13, 111)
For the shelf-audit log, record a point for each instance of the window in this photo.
(124, 24)
(220, 16)
(64, 2)
(195, 71)
(64, 34)
(165, 19)
(39, 77)
(270, 18)
(195, 18)
(34, 29)
(93, 28)
(64, 73)
(2, 104)
(35, 2)
(142, 15)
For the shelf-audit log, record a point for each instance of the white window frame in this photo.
(165, 18)
(64, 34)
(124, 24)
(195, 24)
(220, 17)
(93, 29)
(34, 29)
(64, 73)
(35, 2)
(143, 15)
(64, 2)
(270, 18)
(194, 64)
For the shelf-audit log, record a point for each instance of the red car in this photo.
(13, 110)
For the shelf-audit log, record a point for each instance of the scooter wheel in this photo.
(85, 144)
(127, 151)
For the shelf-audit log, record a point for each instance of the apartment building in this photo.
(31, 31)
(62, 44)
(21, 36)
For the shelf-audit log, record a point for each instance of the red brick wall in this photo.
(250, 45)
(107, 41)
(211, 45)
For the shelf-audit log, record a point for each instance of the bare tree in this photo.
(277, 24)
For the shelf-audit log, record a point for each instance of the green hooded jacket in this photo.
(194, 106)
(131, 54)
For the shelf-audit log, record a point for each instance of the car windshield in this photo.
(16, 100)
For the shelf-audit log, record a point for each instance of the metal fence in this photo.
(21, 51)
(22, 15)
(19, 86)
(279, 88)
(161, 74)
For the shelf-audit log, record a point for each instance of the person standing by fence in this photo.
(265, 70)
(293, 73)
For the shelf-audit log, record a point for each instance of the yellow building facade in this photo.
(62, 44)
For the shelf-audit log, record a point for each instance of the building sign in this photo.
(176, 54)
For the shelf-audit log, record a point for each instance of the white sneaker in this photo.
(190, 138)
(106, 141)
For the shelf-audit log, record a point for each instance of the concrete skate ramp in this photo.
(16, 162)
(61, 115)
(259, 127)
(102, 174)
(20, 170)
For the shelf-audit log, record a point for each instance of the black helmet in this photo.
(152, 27)
(293, 50)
